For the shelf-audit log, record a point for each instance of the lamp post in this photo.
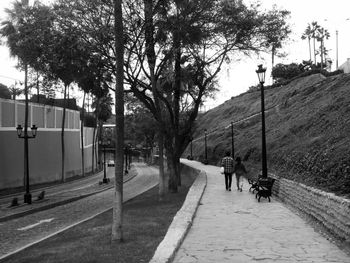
(205, 147)
(104, 143)
(336, 49)
(261, 75)
(126, 159)
(232, 142)
(26, 136)
(130, 153)
(191, 147)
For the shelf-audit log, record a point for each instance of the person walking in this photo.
(239, 170)
(227, 162)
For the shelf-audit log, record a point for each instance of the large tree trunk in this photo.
(99, 136)
(93, 148)
(161, 191)
(176, 106)
(173, 162)
(82, 135)
(117, 225)
(62, 133)
(151, 58)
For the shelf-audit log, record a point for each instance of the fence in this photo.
(45, 149)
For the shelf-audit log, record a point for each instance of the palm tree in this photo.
(307, 35)
(322, 34)
(15, 91)
(314, 29)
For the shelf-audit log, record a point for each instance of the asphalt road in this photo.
(22, 232)
(56, 189)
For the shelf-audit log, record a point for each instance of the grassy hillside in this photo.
(307, 129)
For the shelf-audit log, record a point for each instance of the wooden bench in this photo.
(253, 185)
(264, 188)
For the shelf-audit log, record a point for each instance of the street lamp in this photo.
(191, 155)
(261, 75)
(104, 143)
(205, 147)
(26, 136)
(232, 142)
(126, 159)
(130, 153)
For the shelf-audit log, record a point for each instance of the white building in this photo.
(345, 66)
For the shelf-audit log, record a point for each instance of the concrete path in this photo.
(234, 227)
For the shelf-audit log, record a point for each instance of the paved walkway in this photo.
(234, 227)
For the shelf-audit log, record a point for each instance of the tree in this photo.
(275, 24)
(103, 112)
(117, 231)
(185, 43)
(174, 51)
(15, 91)
(322, 34)
(4, 92)
(307, 35)
(314, 28)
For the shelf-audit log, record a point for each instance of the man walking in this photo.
(228, 164)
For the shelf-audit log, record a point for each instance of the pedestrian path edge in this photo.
(182, 222)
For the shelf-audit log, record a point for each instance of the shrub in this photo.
(4, 92)
(90, 121)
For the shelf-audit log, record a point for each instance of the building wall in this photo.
(345, 66)
(44, 150)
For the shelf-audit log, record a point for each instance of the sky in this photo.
(238, 76)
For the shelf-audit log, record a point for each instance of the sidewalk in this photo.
(59, 194)
(234, 227)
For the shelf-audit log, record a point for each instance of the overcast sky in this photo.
(238, 76)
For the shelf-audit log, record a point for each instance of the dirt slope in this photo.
(307, 129)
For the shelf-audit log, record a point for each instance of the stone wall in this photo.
(330, 210)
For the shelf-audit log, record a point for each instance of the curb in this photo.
(182, 222)
(58, 203)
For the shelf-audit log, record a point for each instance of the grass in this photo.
(146, 221)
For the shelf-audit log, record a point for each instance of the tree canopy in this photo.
(174, 50)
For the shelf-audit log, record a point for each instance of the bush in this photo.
(284, 72)
(90, 121)
(4, 92)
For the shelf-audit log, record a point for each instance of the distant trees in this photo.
(5, 93)
(44, 39)
(317, 33)
(275, 24)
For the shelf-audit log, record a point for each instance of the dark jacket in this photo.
(240, 169)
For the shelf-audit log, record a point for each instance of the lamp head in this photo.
(34, 129)
(19, 130)
(261, 73)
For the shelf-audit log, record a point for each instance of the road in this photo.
(19, 233)
(56, 189)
